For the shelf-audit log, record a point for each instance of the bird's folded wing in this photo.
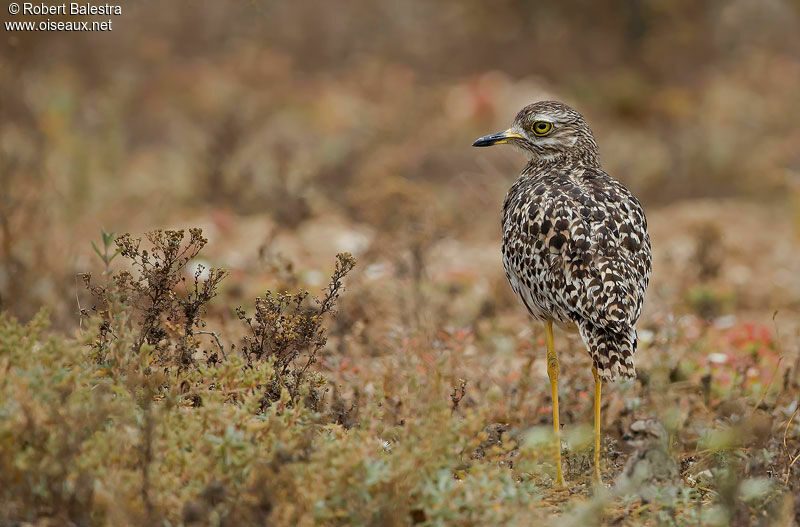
(603, 250)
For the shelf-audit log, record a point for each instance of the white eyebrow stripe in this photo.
(549, 116)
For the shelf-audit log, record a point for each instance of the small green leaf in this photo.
(115, 254)
(98, 251)
(108, 237)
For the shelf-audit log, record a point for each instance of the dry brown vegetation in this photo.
(246, 374)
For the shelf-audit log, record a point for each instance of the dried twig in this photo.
(216, 337)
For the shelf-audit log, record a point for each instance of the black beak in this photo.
(497, 139)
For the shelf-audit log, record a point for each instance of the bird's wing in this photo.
(599, 238)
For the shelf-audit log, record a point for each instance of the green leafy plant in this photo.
(108, 253)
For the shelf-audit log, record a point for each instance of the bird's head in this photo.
(547, 130)
(646, 432)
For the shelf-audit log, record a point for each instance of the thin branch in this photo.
(78, 300)
(216, 337)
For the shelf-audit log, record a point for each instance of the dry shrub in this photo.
(287, 328)
(166, 311)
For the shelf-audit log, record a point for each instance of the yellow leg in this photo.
(552, 372)
(598, 385)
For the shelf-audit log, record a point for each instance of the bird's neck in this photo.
(541, 164)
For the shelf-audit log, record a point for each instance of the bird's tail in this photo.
(611, 351)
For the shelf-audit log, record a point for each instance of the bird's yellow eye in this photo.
(541, 127)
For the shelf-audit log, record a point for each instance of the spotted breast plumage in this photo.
(575, 244)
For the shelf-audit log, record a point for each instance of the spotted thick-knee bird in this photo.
(575, 245)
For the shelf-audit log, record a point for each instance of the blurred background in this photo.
(291, 131)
